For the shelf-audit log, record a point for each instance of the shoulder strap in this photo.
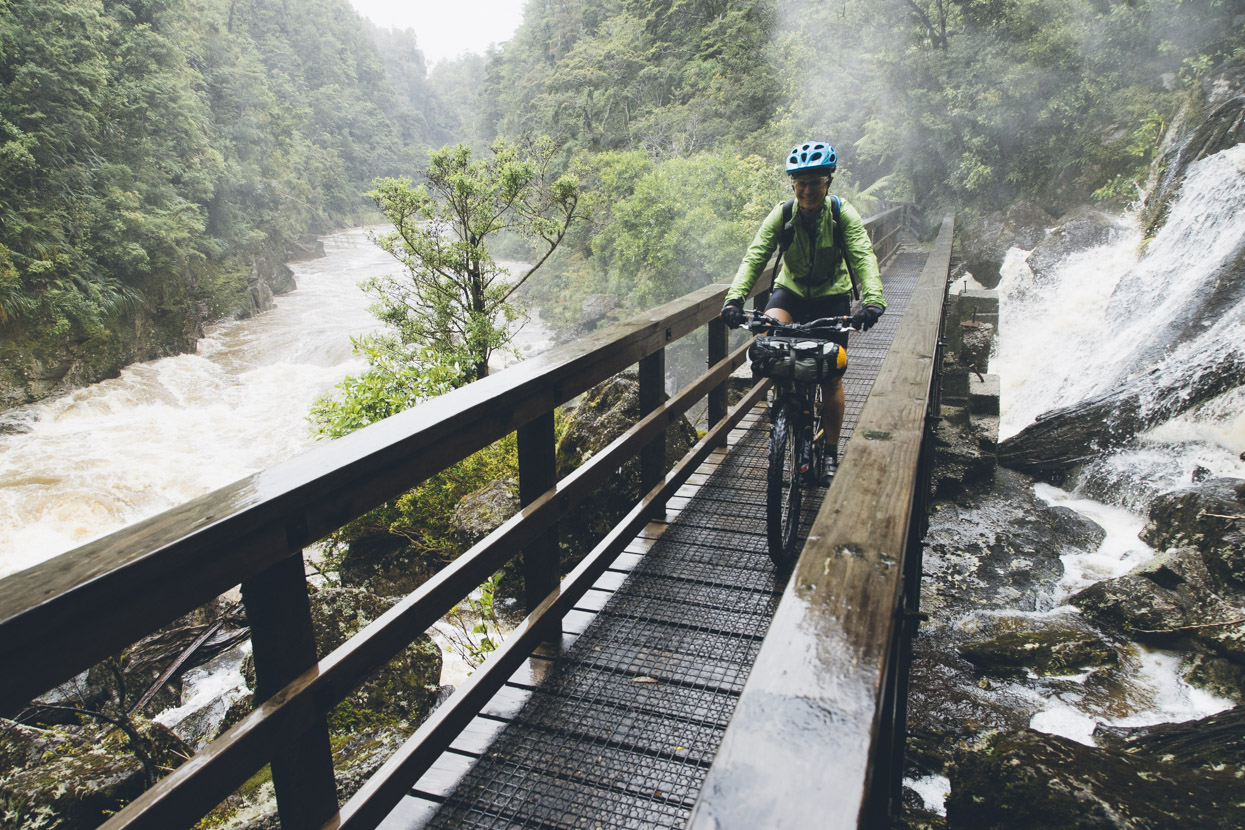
(840, 242)
(786, 233)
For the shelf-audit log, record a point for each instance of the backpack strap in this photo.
(786, 233)
(840, 242)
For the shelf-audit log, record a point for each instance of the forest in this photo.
(156, 154)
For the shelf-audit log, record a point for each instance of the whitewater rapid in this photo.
(167, 431)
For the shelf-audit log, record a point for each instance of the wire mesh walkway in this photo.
(618, 728)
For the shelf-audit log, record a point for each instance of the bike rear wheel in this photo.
(783, 490)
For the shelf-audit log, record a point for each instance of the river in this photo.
(166, 431)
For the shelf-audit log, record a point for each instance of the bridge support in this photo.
(538, 473)
(283, 642)
(652, 395)
(717, 347)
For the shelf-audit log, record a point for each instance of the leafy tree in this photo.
(453, 295)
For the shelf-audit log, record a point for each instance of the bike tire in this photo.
(783, 484)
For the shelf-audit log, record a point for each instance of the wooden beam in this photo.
(799, 749)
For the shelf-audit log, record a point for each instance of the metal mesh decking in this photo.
(620, 732)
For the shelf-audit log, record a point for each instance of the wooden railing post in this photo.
(537, 473)
(717, 347)
(283, 643)
(652, 395)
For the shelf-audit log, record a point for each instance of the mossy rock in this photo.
(1044, 651)
(74, 778)
(1204, 516)
(403, 689)
(1031, 781)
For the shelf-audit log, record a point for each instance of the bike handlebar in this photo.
(759, 321)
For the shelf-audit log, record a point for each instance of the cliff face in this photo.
(41, 362)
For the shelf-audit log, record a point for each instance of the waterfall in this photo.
(1117, 311)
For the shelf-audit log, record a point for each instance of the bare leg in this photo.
(833, 405)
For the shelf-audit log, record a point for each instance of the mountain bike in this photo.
(799, 358)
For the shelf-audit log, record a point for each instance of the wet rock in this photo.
(1028, 780)
(1000, 550)
(483, 511)
(1211, 743)
(984, 244)
(75, 777)
(1175, 600)
(965, 454)
(948, 705)
(308, 247)
(401, 690)
(1206, 516)
(1156, 599)
(1078, 230)
(385, 565)
(1215, 123)
(1046, 650)
(596, 309)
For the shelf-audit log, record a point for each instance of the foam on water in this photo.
(171, 430)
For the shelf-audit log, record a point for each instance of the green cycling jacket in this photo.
(806, 266)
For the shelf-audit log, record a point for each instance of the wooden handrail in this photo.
(800, 748)
(67, 613)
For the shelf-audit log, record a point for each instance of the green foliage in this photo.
(670, 77)
(453, 297)
(150, 152)
(472, 627)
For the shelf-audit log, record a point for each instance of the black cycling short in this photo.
(803, 309)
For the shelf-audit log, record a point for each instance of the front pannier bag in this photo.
(795, 358)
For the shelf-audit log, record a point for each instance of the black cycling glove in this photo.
(733, 313)
(866, 317)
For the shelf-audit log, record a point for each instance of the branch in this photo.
(1188, 627)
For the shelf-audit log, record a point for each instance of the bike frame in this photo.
(794, 440)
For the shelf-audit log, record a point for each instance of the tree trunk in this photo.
(1063, 438)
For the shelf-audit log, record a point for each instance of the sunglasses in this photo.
(818, 181)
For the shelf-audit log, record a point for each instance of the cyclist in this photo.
(816, 278)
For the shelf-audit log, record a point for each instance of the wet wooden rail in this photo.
(66, 614)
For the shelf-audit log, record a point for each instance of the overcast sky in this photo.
(444, 28)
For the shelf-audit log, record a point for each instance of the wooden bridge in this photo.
(689, 686)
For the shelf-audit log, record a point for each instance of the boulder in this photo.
(1001, 550)
(385, 564)
(1175, 599)
(483, 511)
(1155, 601)
(1061, 649)
(75, 777)
(1078, 230)
(1028, 780)
(984, 244)
(402, 690)
(1210, 743)
(1207, 516)
(307, 247)
(596, 309)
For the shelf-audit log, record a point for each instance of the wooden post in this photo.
(717, 347)
(284, 646)
(652, 395)
(538, 473)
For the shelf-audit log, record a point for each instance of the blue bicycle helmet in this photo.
(812, 157)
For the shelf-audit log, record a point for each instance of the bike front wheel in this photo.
(783, 491)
